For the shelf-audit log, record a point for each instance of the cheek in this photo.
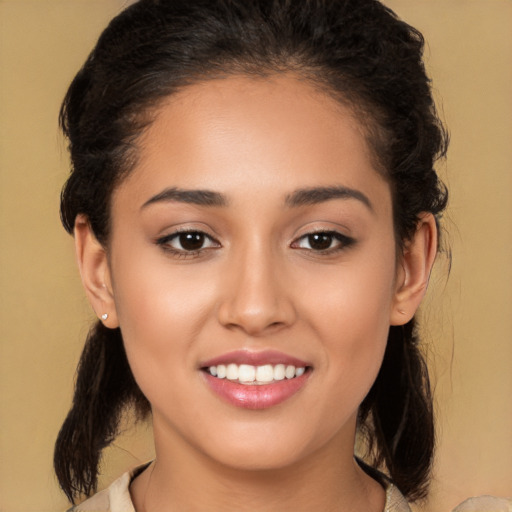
(354, 296)
(350, 313)
(160, 312)
(151, 291)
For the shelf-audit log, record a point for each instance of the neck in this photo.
(328, 480)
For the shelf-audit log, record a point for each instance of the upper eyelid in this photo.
(179, 231)
(165, 244)
(345, 241)
(327, 231)
(166, 239)
(325, 225)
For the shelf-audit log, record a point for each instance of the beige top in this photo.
(116, 498)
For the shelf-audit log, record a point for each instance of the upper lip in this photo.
(253, 358)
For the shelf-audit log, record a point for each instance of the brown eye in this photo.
(187, 242)
(191, 241)
(323, 242)
(320, 241)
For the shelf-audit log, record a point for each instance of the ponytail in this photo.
(104, 386)
(397, 415)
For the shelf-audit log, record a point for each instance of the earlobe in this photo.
(94, 271)
(416, 264)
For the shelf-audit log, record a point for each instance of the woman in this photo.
(255, 213)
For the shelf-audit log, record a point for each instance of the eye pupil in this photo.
(191, 241)
(320, 241)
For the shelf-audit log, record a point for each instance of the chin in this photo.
(250, 459)
(265, 447)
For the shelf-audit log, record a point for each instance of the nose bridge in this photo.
(256, 296)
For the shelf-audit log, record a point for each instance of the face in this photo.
(254, 238)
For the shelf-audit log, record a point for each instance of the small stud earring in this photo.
(104, 316)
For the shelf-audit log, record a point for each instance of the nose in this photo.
(257, 296)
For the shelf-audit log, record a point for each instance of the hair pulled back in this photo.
(358, 51)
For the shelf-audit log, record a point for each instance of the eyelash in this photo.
(344, 242)
(165, 241)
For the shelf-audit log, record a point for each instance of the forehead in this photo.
(249, 106)
(265, 133)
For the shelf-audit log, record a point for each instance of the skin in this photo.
(256, 284)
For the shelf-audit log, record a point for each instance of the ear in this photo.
(95, 273)
(414, 270)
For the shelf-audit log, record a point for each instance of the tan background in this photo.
(44, 317)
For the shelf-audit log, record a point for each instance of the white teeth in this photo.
(265, 373)
(289, 373)
(221, 371)
(232, 372)
(248, 374)
(279, 372)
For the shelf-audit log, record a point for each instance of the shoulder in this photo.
(116, 498)
(485, 504)
(100, 502)
(395, 501)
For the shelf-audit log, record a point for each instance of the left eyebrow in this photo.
(316, 195)
(197, 197)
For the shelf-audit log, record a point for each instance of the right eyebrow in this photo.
(197, 197)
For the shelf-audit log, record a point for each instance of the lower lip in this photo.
(256, 396)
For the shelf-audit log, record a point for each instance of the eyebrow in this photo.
(301, 197)
(316, 195)
(197, 197)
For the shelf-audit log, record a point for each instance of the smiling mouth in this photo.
(250, 375)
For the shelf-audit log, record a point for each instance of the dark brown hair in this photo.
(357, 50)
